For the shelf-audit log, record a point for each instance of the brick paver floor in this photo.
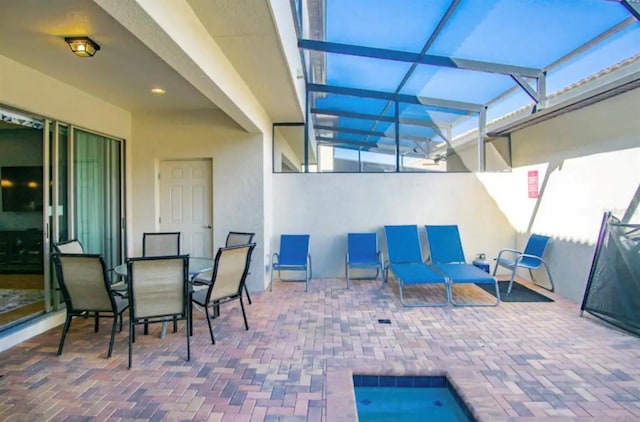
(517, 361)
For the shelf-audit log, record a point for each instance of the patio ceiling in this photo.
(411, 76)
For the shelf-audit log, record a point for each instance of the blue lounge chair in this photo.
(405, 262)
(530, 258)
(448, 258)
(293, 256)
(363, 253)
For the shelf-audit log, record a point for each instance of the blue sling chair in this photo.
(363, 254)
(293, 256)
(447, 257)
(530, 258)
(405, 262)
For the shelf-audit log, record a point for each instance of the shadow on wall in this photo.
(572, 197)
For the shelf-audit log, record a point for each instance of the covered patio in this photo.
(519, 361)
(441, 124)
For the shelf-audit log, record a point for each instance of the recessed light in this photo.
(158, 91)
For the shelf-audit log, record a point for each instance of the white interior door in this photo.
(186, 204)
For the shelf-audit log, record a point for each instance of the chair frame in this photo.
(351, 262)
(452, 264)
(306, 267)
(408, 265)
(235, 296)
(247, 237)
(186, 309)
(76, 312)
(518, 261)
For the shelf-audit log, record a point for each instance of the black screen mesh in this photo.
(613, 289)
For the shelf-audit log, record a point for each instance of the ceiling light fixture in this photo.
(82, 46)
(158, 91)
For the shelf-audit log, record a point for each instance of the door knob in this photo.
(208, 227)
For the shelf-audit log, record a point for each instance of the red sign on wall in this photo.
(532, 180)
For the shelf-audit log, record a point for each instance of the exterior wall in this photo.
(588, 164)
(328, 206)
(35, 92)
(282, 148)
(238, 188)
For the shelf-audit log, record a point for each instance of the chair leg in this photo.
(65, 329)
(346, 273)
(246, 290)
(96, 326)
(188, 315)
(175, 324)
(271, 283)
(131, 339)
(113, 334)
(513, 275)
(306, 279)
(244, 315)
(206, 312)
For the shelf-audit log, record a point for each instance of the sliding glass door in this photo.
(58, 183)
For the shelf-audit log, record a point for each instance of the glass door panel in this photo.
(21, 218)
(97, 184)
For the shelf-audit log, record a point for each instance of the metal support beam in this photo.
(531, 92)
(482, 134)
(425, 59)
(306, 131)
(542, 91)
(633, 6)
(354, 131)
(410, 99)
(342, 142)
(397, 116)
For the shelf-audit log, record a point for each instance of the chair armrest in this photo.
(526, 255)
(514, 251)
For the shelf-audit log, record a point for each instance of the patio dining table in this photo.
(197, 266)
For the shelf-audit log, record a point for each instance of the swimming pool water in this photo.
(408, 399)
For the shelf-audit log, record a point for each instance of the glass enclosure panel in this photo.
(393, 25)
(97, 195)
(542, 31)
(456, 84)
(616, 49)
(355, 72)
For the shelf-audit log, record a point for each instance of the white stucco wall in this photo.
(238, 197)
(26, 89)
(328, 206)
(588, 163)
